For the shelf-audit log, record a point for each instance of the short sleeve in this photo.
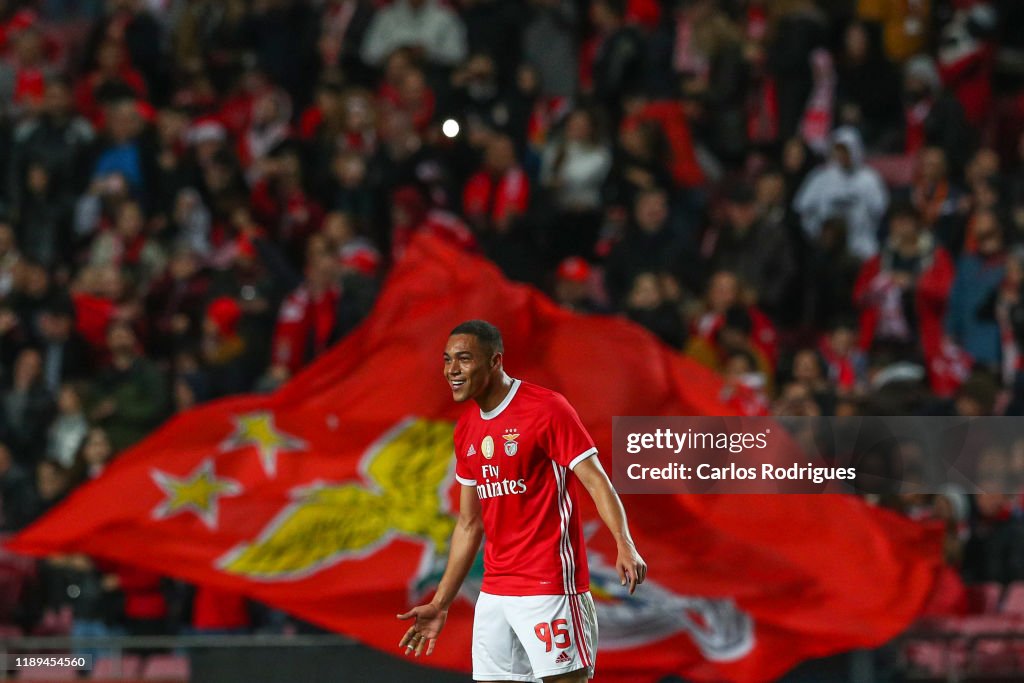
(463, 474)
(566, 439)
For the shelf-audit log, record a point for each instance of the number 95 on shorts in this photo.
(528, 637)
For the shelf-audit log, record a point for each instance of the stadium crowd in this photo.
(822, 201)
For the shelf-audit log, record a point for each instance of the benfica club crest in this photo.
(510, 437)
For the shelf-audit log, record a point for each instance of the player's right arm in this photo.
(465, 543)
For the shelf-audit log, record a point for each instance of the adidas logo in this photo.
(563, 658)
(471, 451)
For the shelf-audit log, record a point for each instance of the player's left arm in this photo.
(631, 567)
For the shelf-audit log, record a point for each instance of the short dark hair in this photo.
(486, 333)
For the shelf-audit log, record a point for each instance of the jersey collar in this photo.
(491, 414)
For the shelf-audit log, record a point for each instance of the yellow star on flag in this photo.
(258, 429)
(197, 493)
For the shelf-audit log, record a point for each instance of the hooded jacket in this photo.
(856, 194)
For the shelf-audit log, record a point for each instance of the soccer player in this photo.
(535, 617)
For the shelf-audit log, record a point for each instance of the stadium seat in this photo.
(45, 673)
(166, 668)
(12, 586)
(55, 623)
(935, 658)
(10, 631)
(23, 563)
(992, 656)
(116, 668)
(983, 598)
(1013, 602)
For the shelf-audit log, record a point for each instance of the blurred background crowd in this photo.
(822, 201)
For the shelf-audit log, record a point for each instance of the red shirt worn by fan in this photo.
(519, 456)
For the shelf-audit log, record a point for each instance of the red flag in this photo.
(334, 497)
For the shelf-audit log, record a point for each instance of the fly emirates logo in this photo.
(504, 487)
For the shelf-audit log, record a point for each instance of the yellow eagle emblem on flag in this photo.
(328, 523)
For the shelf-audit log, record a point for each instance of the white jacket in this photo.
(435, 28)
(857, 194)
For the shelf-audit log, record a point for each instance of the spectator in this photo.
(707, 59)
(44, 216)
(52, 483)
(845, 187)
(342, 28)
(868, 87)
(983, 196)
(92, 457)
(307, 322)
(936, 198)
(647, 306)
(796, 28)
(426, 25)
(905, 25)
(281, 203)
(130, 23)
(619, 60)
(33, 292)
(1006, 308)
(846, 365)
(145, 607)
(68, 430)
(732, 337)
(902, 292)
(549, 45)
(122, 154)
(268, 127)
(174, 302)
(649, 245)
(219, 612)
(495, 28)
(129, 398)
(978, 275)
(113, 78)
(58, 139)
(639, 164)
(9, 257)
(23, 75)
(410, 214)
(349, 188)
(498, 193)
(76, 581)
(574, 286)
(65, 354)
(278, 33)
(573, 171)
(481, 98)
(27, 407)
(967, 58)
(756, 250)
(17, 493)
(933, 115)
(809, 370)
(127, 246)
(223, 349)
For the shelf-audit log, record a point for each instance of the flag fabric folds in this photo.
(334, 497)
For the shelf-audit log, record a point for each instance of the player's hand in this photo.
(631, 567)
(424, 632)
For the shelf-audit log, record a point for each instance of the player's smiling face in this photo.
(467, 367)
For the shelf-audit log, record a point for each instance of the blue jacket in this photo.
(975, 281)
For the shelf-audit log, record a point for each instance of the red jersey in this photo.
(518, 456)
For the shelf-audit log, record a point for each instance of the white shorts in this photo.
(525, 638)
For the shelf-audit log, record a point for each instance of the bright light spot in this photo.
(450, 128)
